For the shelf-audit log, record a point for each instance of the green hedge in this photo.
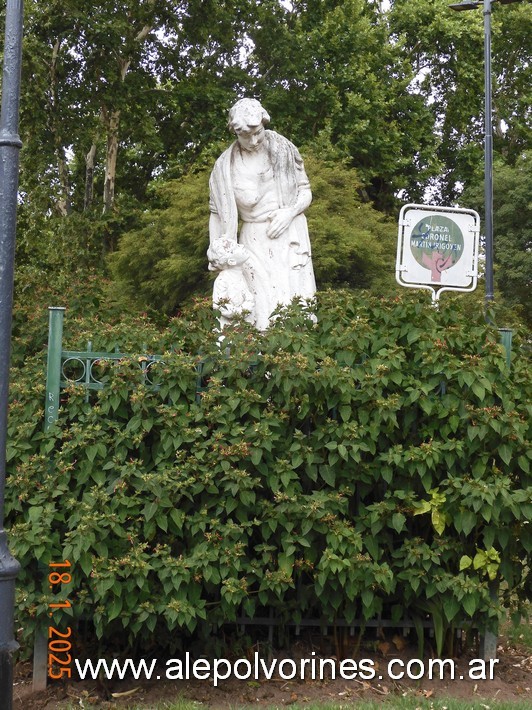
(377, 462)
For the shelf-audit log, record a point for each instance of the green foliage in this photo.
(398, 90)
(335, 66)
(487, 560)
(161, 263)
(164, 261)
(519, 629)
(35, 290)
(338, 470)
(445, 49)
(353, 245)
(512, 217)
(65, 271)
(49, 246)
(155, 75)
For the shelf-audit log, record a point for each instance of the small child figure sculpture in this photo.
(231, 293)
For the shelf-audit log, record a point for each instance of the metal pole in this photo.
(53, 367)
(51, 413)
(488, 153)
(506, 340)
(10, 145)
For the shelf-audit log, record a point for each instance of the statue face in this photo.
(239, 256)
(251, 137)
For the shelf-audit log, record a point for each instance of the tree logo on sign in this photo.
(437, 243)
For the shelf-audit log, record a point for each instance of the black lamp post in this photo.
(488, 134)
(488, 646)
(9, 166)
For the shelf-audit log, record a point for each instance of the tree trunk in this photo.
(113, 122)
(89, 177)
(64, 204)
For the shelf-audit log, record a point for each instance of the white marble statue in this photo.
(261, 180)
(231, 294)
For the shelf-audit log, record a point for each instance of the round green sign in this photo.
(437, 243)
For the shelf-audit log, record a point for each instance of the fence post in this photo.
(506, 340)
(53, 365)
(488, 639)
(51, 412)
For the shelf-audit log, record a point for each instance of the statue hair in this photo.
(220, 251)
(247, 113)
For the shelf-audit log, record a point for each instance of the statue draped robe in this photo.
(279, 269)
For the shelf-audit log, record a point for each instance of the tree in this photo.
(333, 67)
(512, 220)
(445, 50)
(353, 244)
(48, 109)
(162, 262)
(115, 76)
(399, 92)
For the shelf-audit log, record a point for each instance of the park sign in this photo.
(437, 248)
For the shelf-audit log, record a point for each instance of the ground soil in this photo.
(512, 682)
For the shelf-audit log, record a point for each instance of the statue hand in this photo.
(279, 220)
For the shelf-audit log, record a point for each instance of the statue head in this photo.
(225, 253)
(247, 114)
